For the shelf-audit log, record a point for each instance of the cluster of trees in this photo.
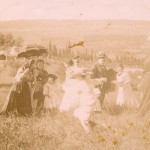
(129, 60)
(7, 41)
(86, 54)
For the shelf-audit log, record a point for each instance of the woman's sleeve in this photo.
(21, 74)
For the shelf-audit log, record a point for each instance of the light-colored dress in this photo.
(86, 102)
(51, 100)
(125, 94)
(79, 96)
(71, 89)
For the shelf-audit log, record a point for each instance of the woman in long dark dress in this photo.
(19, 98)
(40, 81)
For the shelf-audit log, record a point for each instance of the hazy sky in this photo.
(74, 9)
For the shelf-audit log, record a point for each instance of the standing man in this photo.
(100, 74)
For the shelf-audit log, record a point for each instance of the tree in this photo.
(9, 41)
(2, 40)
(50, 48)
(54, 52)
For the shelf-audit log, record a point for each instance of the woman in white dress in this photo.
(87, 97)
(79, 93)
(70, 86)
(125, 94)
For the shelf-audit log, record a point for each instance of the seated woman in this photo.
(19, 98)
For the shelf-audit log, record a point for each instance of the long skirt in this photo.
(51, 102)
(126, 97)
(71, 96)
(19, 99)
(120, 97)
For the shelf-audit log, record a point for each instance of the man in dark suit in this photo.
(100, 74)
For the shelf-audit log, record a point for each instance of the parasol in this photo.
(42, 50)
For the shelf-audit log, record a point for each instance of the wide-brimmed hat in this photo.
(101, 54)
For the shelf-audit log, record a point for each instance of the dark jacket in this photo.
(100, 71)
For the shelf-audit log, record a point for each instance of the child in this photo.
(51, 100)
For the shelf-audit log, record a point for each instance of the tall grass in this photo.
(114, 129)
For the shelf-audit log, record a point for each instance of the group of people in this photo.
(32, 83)
(84, 88)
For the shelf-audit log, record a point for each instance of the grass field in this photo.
(115, 128)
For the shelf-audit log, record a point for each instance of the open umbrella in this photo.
(32, 53)
(37, 50)
(27, 54)
(22, 54)
(42, 50)
(32, 50)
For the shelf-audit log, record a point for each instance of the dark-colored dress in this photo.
(38, 93)
(19, 98)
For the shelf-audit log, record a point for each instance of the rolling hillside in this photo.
(108, 35)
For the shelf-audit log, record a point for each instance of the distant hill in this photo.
(109, 35)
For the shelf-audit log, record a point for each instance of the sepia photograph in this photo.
(75, 75)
